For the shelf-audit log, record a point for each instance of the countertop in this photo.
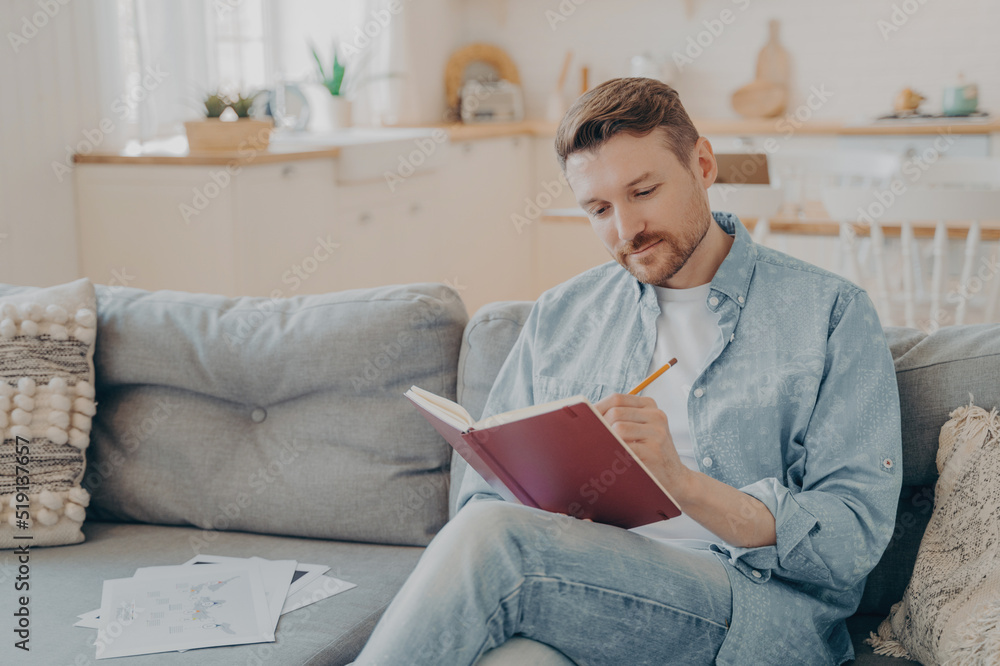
(174, 150)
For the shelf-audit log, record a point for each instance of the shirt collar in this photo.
(732, 278)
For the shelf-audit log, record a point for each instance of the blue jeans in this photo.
(598, 594)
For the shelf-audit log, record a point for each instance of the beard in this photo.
(673, 252)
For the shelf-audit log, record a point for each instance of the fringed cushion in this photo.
(950, 610)
(46, 405)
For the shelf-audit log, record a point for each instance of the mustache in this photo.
(640, 242)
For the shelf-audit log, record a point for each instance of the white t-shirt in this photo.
(688, 330)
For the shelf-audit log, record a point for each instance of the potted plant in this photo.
(333, 81)
(213, 133)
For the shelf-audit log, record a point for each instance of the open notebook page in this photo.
(455, 415)
(447, 410)
(526, 412)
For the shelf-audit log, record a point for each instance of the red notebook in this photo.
(560, 456)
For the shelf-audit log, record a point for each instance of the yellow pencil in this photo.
(649, 380)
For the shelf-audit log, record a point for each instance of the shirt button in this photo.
(698, 392)
(713, 301)
(756, 574)
(740, 299)
(258, 415)
(706, 461)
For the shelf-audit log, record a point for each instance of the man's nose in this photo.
(628, 222)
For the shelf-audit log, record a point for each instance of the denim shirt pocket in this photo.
(547, 389)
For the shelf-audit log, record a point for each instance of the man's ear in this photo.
(704, 166)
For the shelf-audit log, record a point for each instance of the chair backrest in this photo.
(843, 166)
(757, 201)
(951, 212)
(864, 204)
(961, 172)
(804, 172)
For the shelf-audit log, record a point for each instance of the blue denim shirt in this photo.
(799, 409)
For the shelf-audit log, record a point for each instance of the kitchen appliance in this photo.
(491, 101)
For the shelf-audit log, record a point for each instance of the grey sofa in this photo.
(279, 429)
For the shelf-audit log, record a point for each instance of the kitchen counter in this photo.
(174, 150)
(815, 222)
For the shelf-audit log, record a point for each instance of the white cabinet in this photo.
(284, 221)
(212, 229)
(289, 228)
(157, 227)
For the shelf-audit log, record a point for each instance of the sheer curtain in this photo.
(383, 87)
(159, 57)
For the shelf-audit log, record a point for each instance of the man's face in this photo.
(647, 208)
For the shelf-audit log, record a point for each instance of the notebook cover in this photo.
(454, 437)
(568, 461)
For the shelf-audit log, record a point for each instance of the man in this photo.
(778, 434)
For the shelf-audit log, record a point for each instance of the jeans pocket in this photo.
(547, 389)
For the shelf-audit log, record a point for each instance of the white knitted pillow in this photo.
(950, 611)
(46, 405)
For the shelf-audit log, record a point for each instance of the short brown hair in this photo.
(636, 105)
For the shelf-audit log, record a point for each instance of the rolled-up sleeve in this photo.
(832, 530)
(512, 389)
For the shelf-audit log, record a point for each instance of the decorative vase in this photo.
(340, 111)
(214, 135)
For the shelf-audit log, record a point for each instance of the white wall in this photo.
(834, 44)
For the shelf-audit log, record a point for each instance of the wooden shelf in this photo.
(815, 222)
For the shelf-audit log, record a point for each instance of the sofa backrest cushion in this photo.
(935, 373)
(280, 416)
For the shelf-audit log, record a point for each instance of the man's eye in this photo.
(599, 211)
(649, 191)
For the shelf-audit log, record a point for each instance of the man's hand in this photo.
(644, 429)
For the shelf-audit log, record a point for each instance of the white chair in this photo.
(804, 172)
(875, 208)
(961, 172)
(746, 201)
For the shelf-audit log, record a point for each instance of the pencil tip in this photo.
(673, 361)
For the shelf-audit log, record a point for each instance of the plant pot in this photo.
(340, 111)
(214, 135)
